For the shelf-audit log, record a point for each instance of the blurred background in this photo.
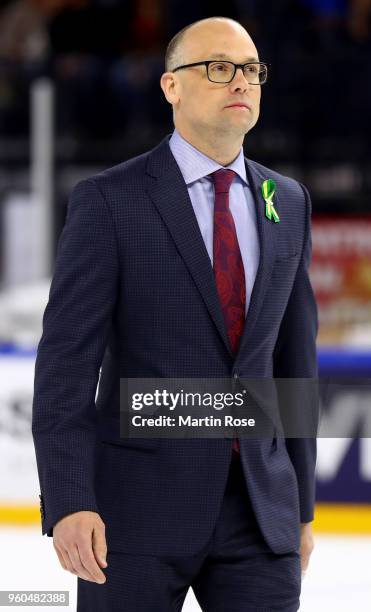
(79, 92)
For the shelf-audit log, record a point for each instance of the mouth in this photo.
(239, 105)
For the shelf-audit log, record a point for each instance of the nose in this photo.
(239, 81)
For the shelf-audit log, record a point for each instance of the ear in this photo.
(170, 86)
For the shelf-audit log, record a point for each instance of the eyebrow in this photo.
(224, 56)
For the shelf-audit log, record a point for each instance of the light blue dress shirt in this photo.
(195, 166)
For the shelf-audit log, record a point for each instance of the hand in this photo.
(306, 545)
(80, 543)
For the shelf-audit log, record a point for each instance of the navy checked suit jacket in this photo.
(133, 294)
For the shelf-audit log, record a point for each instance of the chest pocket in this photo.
(284, 270)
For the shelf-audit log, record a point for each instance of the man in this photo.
(147, 282)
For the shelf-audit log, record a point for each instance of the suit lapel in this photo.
(268, 232)
(170, 195)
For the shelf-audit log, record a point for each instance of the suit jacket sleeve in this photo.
(295, 357)
(76, 325)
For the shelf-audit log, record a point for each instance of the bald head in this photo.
(190, 41)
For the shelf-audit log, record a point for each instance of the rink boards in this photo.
(343, 465)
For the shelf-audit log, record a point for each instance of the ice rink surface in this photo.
(339, 577)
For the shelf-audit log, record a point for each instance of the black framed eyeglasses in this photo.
(255, 73)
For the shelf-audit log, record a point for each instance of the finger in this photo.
(304, 562)
(88, 560)
(61, 558)
(76, 563)
(67, 560)
(100, 546)
(93, 571)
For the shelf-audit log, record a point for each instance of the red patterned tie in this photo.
(228, 265)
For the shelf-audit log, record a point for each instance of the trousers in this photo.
(235, 572)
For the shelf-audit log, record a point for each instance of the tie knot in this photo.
(223, 180)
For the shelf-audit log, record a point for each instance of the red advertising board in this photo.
(341, 277)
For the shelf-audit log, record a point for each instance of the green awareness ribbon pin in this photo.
(268, 191)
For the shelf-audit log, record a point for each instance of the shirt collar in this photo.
(195, 165)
